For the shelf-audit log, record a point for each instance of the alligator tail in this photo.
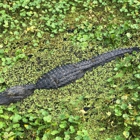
(105, 57)
(109, 56)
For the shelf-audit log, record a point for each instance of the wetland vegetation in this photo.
(37, 36)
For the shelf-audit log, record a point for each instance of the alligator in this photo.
(61, 76)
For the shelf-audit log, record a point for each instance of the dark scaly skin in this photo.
(16, 93)
(61, 76)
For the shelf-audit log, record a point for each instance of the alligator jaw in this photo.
(16, 93)
(4, 100)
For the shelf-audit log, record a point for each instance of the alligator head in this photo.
(16, 93)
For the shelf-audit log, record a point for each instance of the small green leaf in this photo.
(54, 132)
(2, 124)
(39, 35)
(124, 106)
(58, 138)
(16, 125)
(119, 75)
(15, 118)
(126, 134)
(118, 112)
(125, 116)
(53, 25)
(2, 80)
(63, 124)
(16, 33)
(1, 50)
(128, 35)
(47, 118)
(72, 129)
(137, 76)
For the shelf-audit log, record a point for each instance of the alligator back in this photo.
(59, 77)
(63, 75)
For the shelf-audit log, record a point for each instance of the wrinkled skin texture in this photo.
(61, 76)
